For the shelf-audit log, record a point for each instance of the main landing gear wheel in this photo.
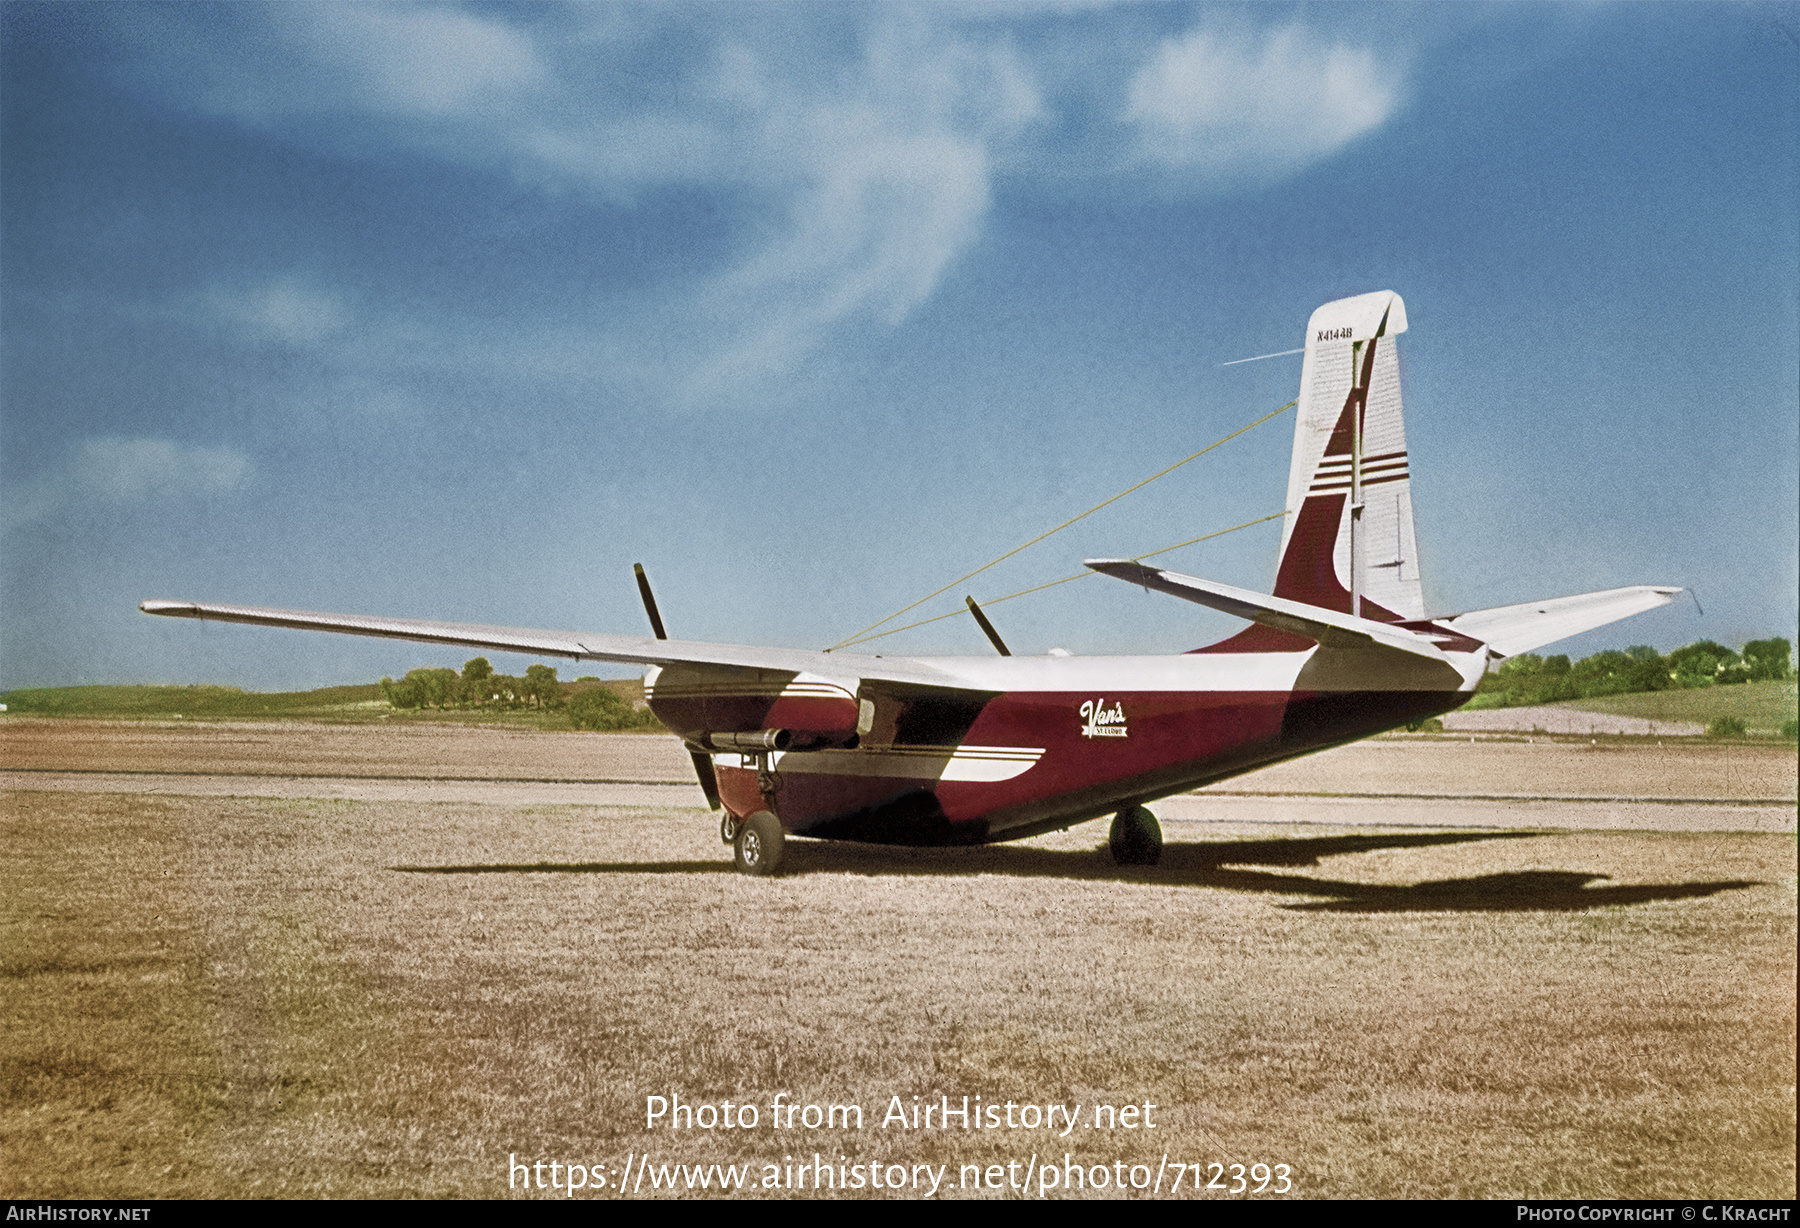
(1136, 838)
(728, 828)
(759, 844)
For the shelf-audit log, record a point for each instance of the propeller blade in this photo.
(703, 764)
(656, 623)
(987, 628)
(709, 779)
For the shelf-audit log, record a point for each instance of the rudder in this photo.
(1347, 543)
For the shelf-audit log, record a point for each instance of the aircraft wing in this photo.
(1328, 627)
(1512, 629)
(577, 645)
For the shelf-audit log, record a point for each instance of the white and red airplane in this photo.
(967, 750)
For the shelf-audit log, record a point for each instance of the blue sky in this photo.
(458, 311)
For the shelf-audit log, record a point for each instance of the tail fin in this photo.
(1347, 543)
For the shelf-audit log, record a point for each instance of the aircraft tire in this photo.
(760, 842)
(728, 828)
(1135, 838)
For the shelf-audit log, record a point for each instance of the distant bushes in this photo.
(478, 686)
(1707, 664)
(1531, 679)
(591, 705)
(601, 709)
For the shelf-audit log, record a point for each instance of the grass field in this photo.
(245, 996)
(1762, 706)
(362, 704)
(192, 701)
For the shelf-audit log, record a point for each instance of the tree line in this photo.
(478, 686)
(1521, 680)
(1531, 679)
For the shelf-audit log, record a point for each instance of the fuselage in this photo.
(1007, 747)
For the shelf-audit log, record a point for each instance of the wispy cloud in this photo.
(268, 64)
(860, 145)
(886, 176)
(425, 62)
(286, 309)
(120, 470)
(114, 469)
(1256, 106)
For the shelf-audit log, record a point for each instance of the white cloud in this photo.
(887, 178)
(122, 470)
(284, 309)
(268, 64)
(114, 469)
(425, 62)
(865, 164)
(856, 148)
(1256, 107)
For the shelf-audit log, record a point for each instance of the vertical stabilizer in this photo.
(1347, 542)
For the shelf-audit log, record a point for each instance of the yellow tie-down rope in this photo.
(1080, 575)
(863, 636)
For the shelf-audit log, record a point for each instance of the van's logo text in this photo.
(1100, 721)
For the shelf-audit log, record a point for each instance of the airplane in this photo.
(970, 750)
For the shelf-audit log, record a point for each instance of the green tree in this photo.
(600, 708)
(1525, 665)
(475, 686)
(541, 685)
(1531, 679)
(1699, 663)
(1769, 660)
(435, 688)
(1600, 674)
(1647, 672)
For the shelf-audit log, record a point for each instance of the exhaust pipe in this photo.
(759, 739)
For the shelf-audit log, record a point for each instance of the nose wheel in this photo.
(759, 845)
(1135, 838)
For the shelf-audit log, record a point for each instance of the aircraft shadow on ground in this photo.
(1206, 864)
(580, 867)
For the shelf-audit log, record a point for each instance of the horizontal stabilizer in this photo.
(1512, 629)
(1328, 627)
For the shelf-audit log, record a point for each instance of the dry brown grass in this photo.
(252, 997)
(308, 748)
